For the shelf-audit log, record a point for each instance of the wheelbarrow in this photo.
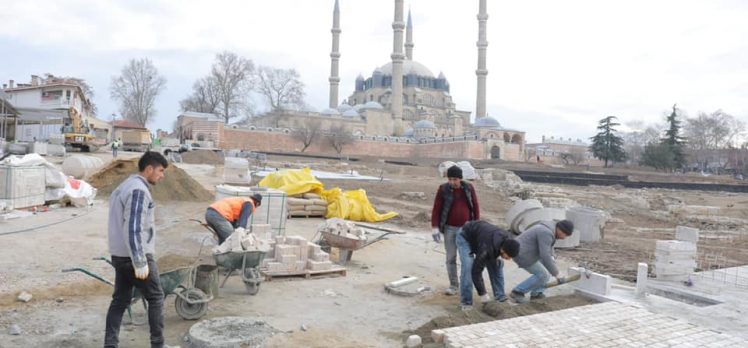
(192, 286)
(246, 262)
(346, 246)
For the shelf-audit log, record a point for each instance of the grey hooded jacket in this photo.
(132, 231)
(536, 244)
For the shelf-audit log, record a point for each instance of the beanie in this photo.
(511, 247)
(257, 198)
(454, 172)
(565, 226)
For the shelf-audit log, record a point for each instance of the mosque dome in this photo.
(350, 113)
(487, 122)
(344, 107)
(408, 132)
(330, 112)
(424, 124)
(372, 105)
(410, 67)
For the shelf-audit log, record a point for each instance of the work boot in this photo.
(501, 298)
(452, 290)
(518, 297)
(538, 296)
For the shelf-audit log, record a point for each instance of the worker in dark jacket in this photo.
(455, 204)
(483, 245)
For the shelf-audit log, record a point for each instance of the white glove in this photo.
(485, 298)
(436, 235)
(141, 272)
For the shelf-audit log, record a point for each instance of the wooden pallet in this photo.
(306, 274)
(302, 215)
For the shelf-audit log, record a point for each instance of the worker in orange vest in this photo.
(228, 214)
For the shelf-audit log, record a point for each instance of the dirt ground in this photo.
(68, 309)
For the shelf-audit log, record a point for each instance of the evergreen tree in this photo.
(606, 145)
(659, 156)
(673, 140)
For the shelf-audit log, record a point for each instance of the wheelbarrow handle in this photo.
(102, 258)
(94, 275)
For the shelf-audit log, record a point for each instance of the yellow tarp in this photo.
(350, 205)
(293, 181)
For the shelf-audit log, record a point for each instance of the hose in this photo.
(43, 226)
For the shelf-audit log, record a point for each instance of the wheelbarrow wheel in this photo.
(253, 284)
(191, 311)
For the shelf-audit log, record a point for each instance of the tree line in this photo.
(681, 143)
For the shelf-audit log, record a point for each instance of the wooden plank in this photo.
(373, 227)
(306, 274)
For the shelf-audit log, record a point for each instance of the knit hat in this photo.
(454, 172)
(566, 226)
(257, 198)
(511, 247)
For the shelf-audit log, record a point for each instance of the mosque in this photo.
(403, 101)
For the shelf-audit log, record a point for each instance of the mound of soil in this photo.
(202, 157)
(494, 311)
(176, 185)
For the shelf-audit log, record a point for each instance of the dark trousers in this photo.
(150, 288)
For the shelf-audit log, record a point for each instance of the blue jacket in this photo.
(132, 230)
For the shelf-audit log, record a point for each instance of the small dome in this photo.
(408, 132)
(359, 77)
(350, 113)
(373, 105)
(378, 71)
(358, 107)
(410, 67)
(330, 112)
(441, 75)
(422, 124)
(487, 122)
(344, 107)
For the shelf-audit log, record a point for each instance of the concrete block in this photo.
(260, 230)
(280, 239)
(277, 267)
(674, 245)
(296, 240)
(532, 217)
(321, 256)
(437, 336)
(286, 249)
(318, 265)
(299, 266)
(641, 278)
(413, 341)
(288, 259)
(312, 249)
(591, 282)
(588, 223)
(519, 208)
(687, 234)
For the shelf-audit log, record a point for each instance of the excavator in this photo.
(77, 134)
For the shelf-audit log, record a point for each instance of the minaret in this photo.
(481, 72)
(397, 69)
(335, 57)
(409, 38)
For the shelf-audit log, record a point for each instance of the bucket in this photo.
(206, 279)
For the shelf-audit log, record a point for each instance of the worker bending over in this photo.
(228, 214)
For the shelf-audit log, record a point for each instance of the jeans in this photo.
(536, 283)
(114, 152)
(450, 233)
(150, 289)
(219, 224)
(495, 273)
(244, 215)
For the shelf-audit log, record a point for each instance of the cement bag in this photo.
(79, 192)
(468, 172)
(293, 181)
(352, 205)
(443, 168)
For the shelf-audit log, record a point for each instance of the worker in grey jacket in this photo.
(536, 256)
(132, 240)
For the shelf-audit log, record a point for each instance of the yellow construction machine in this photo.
(78, 134)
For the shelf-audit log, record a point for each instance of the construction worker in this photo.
(482, 245)
(536, 256)
(132, 240)
(115, 147)
(455, 204)
(230, 213)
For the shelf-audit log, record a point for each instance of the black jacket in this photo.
(485, 242)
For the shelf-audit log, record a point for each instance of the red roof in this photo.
(126, 124)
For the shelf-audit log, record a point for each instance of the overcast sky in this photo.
(555, 67)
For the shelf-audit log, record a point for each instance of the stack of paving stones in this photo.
(675, 260)
(609, 324)
(307, 205)
(294, 254)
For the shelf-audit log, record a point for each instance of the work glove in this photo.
(485, 298)
(141, 272)
(561, 280)
(436, 235)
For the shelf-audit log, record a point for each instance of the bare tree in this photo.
(575, 156)
(204, 97)
(307, 133)
(232, 76)
(709, 133)
(282, 88)
(638, 136)
(338, 138)
(136, 90)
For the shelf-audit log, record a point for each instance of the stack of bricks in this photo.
(676, 259)
(307, 205)
(294, 254)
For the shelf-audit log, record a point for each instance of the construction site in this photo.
(657, 267)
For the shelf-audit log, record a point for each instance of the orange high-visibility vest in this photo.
(231, 207)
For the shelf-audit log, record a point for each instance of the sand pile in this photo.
(202, 157)
(176, 185)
